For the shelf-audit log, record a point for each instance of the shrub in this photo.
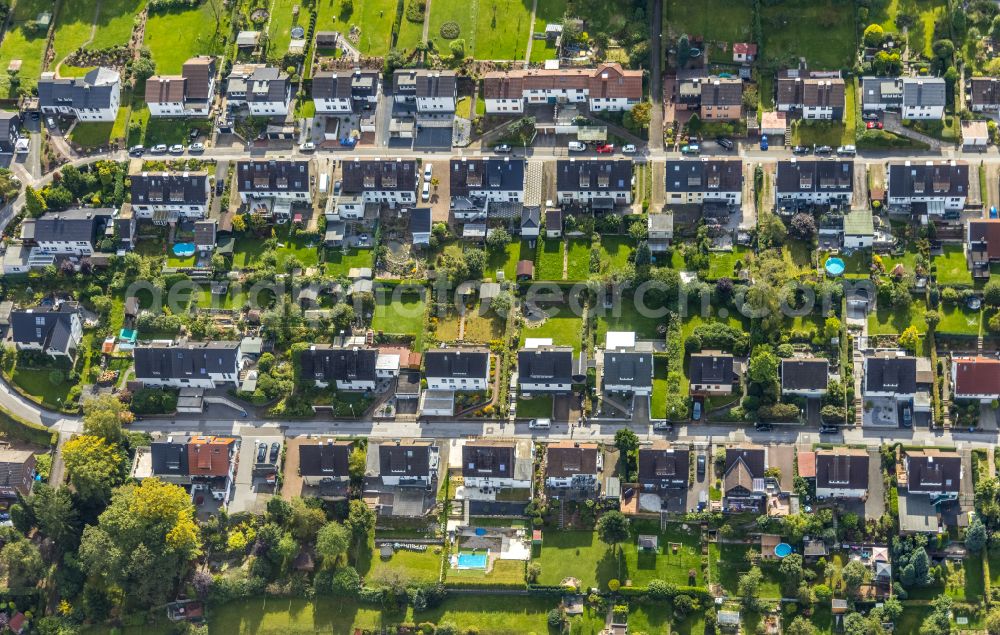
(450, 30)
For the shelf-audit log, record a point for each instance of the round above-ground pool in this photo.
(782, 549)
(834, 266)
(182, 250)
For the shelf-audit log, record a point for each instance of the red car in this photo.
(874, 125)
(605, 148)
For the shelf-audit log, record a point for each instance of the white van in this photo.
(540, 423)
(425, 193)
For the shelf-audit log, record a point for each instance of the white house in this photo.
(975, 378)
(495, 463)
(816, 96)
(814, 182)
(466, 369)
(804, 377)
(347, 368)
(573, 465)
(602, 184)
(859, 229)
(545, 369)
(93, 97)
(265, 90)
(693, 182)
(383, 181)
(842, 473)
(53, 330)
(341, 93)
(430, 91)
(283, 180)
(73, 232)
(205, 365)
(607, 87)
(928, 188)
(403, 463)
(166, 197)
(189, 94)
(923, 97)
(491, 179)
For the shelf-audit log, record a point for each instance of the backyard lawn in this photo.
(507, 259)
(503, 572)
(491, 29)
(722, 264)
(22, 41)
(666, 563)
(725, 20)
(76, 27)
(562, 326)
(297, 250)
(38, 385)
(625, 316)
(175, 36)
(817, 30)
(957, 320)
(952, 267)
(373, 17)
(658, 400)
(615, 252)
(577, 554)
(578, 260)
(247, 251)
(889, 322)
(550, 260)
(920, 34)
(340, 261)
(400, 313)
(727, 562)
(407, 565)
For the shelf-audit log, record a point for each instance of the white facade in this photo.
(66, 247)
(471, 384)
(75, 336)
(586, 196)
(922, 112)
(706, 196)
(583, 481)
(332, 105)
(840, 492)
(268, 108)
(176, 210)
(528, 387)
(817, 112)
(858, 241)
(436, 104)
(165, 108)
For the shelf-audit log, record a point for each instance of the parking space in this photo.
(698, 492)
(440, 200)
(875, 503)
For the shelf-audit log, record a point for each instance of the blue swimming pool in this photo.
(468, 560)
(835, 266)
(183, 250)
(782, 549)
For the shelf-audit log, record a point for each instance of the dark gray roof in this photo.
(195, 360)
(567, 458)
(924, 91)
(204, 232)
(594, 175)
(881, 90)
(712, 369)
(632, 368)
(754, 458)
(933, 471)
(272, 175)
(717, 91)
(496, 175)
(985, 91)
(268, 84)
(404, 459)
(424, 83)
(343, 85)
(891, 374)
(46, 326)
(918, 179)
(420, 220)
(394, 175)
(804, 374)
(809, 176)
(93, 90)
(493, 459)
(842, 468)
(456, 362)
(170, 456)
(663, 466)
(190, 188)
(73, 225)
(329, 364)
(554, 220)
(531, 217)
(705, 175)
(549, 365)
(325, 458)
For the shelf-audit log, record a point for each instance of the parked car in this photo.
(425, 192)
(828, 429)
(177, 149)
(847, 151)
(993, 211)
(874, 125)
(197, 147)
(763, 142)
(261, 452)
(870, 116)
(577, 146)
(907, 417)
(725, 143)
(696, 411)
(762, 427)
(275, 451)
(701, 466)
(159, 148)
(428, 172)
(336, 187)
(800, 150)
(692, 148)
(136, 151)
(664, 426)
(605, 148)
(308, 146)
(629, 149)
(824, 150)
(502, 148)
(539, 423)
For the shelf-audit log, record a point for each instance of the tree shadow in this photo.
(611, 566)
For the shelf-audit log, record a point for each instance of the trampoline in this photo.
(467, 560)
(183, 250)
(835, 266)
(782, 549)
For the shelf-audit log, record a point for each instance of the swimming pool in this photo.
(182, 250)
(782, 550)
(835, 266)
(467, 560)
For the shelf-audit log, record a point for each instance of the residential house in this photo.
(744, 52)
(553, 223)
(404, 463)
(608, 87)
(205, 234)
(721, 99)
(601, 184)
(928, 188)
(378, 181)
(984, 94)
(166, 197)
(663, 468)
(704, 180)
(743, 478)
(660, 231)
(975, 134)
(628, 371)
(924, 97)
(73, 232)
(420, 226)
(17, 473)
(804, 377)
(879, 94)
(347, 368)
(814, 182)
(545, 369)
(491, 179)
(11, 137)
(53, 330)
(815, 97)
(842, 473)
(859, 229)
(465, 369)
(488, 463)
(193, 365)
(983, 245)
(93, 97)
(324, 461)
(573, 465)
(430, 91)
(125, 227)
(211, 458)
(342, 93)
(975, 378)
(891, 385)
(712, 374)
(271, 186)
(934, 473)
(265, 90)
(531, 222)
(189, 94)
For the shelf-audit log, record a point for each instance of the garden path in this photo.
(531, 34)
(93, 32)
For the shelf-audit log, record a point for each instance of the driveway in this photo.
(702, 484)
(875, 505)
(813, 407)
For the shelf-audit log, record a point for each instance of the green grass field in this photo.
(920, 35)
(402, 315)
(174, 37)
(503, 572)
(727, 562)
(665, 563)
(725, 20)
(297, 249)
(507, 259)
(578, 260)
(959, 321)
(407, 565)
(246, 251)
(537, 407)
(615, 252)
(491, 29)
(73, 25)
(113, 27)
(818, 30)
(23, 42)
(373, 17)
(626, 317)
(550, 260)
(577, 554)
(37, 384)
(658, 400)
(562, 326)
(888, 322)
(952, 267)
(722, 264)
(340, 262)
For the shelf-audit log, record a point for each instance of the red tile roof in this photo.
(986, 230)
(209, 456)
(976, 376)
(807, 464)
(607, 80)
(745, 48)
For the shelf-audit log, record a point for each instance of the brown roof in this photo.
(811, 92)
(568, 458)
(985, 91)
(745, 48)
(807, 464)
(844, 468)
(199, 71)
(721, 91)
(525, 268)
(987, 231)
(607, 80)
(977, 376)
(209, 456)
(164, 88)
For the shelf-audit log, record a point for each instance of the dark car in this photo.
(870, 116)
(800, 150)
(763, 427)
(502, 148)
(701, 466)
(275, 450)
(725, 143)
(829, 430)
(824, 150)
(261, 452)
